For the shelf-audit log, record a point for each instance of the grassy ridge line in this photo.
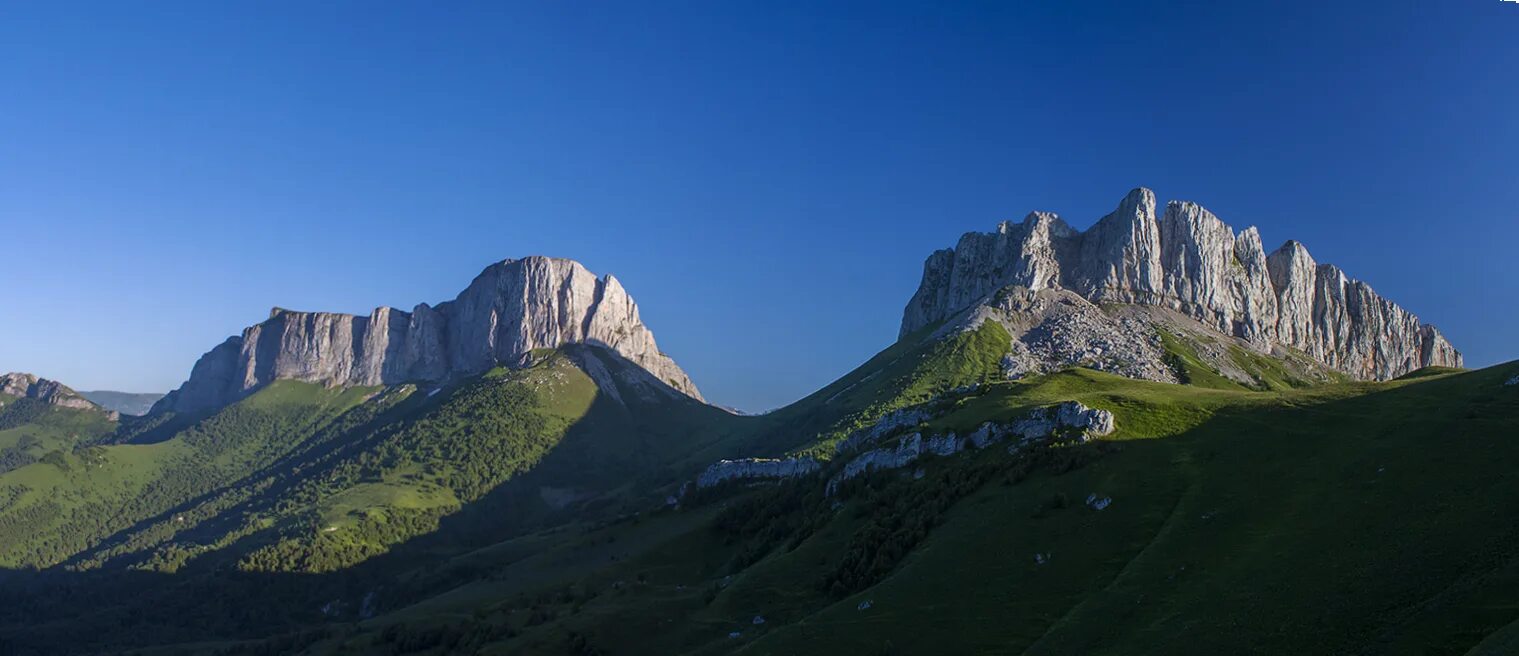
(31, 430)
(1235, 544)
(312, 482)
(212, 522)
(57, 509)
(1212, 490)
(481, 435)
(234, 550)
(912, 371)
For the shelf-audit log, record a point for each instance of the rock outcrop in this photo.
(1057, 328)
(512, 308)
(1070, 419)
(1189, 261)
(1068, 416)
(888, 423)
(51, 392)
(723, 471)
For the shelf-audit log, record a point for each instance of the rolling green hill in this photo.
(525, 512)
(1351, 518)
(31, 430)
(299, 479)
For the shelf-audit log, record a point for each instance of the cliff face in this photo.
(510, 309)
(1189, 261)
(51, 392)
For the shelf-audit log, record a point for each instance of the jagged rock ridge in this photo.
(512, 308)
(51, 392)
(1189, 261)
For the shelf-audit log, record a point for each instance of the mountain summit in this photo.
(50, 392)
(512, 308)
(1187, 261)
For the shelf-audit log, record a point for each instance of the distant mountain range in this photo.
(127, 403)
(50, 392)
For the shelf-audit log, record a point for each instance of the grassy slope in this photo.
(1355, 518)
(329, 482)
(54, 510)
(1359, 518)
(1189, 366)
(29, 430)
(909, 372)
(1351, 517)
(329, 468)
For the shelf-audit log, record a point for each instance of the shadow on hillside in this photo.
(613, 462)
(622, 456)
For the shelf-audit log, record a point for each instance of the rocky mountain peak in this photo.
(1189, 261)
(29, 386)
(510, 309)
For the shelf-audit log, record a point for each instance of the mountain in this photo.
(536, 355)
(1033, 467)
(1186, 261)
(49, 392)
(23, 385)
(321, 458)
(511, 309)
(127, 403)
(44, 419)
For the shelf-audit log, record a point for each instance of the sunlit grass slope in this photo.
(58, 507)
(344, 487)
(1345, 518)
(31, 430)
(523, 512)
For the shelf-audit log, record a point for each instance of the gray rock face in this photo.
(1057, 328)
(755, 468)
(1041, 424)
(1071, 415)
(510, 309)
(1189, 261)
(891, 421)
(1090, 421)
(906, 452)
(51, 392)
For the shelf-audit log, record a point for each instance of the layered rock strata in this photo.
(512, 308)
(1190, 261)
(51, 392)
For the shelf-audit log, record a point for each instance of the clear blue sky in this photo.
(765, 178)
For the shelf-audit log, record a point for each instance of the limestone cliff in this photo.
(1190, 261)
(51, 392)
(510, 309)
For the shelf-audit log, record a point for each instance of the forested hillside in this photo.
(532, 511)
(32, 430)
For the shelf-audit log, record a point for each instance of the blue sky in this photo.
(764, 178)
